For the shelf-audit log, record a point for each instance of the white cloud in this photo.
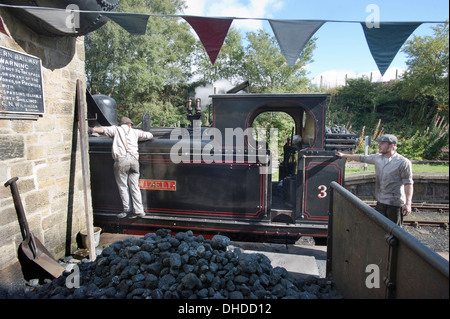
(235, 8)
(336, 78)
(195, 7)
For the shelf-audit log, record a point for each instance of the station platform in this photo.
(302, 260)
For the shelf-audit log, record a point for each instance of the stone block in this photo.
(9, 255)
(22, 126)
(36, 201)
(11, 147)
(8, 215)
(50, 138)
(35, 152)
(49, 172)
(45, 124)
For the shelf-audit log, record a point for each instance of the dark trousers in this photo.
(394, 213)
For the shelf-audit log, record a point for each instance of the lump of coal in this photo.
(184, 266)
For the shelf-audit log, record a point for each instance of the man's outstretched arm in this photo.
(353, 157)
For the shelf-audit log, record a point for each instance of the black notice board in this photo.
(21, 89)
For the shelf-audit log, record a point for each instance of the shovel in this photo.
(31, 247)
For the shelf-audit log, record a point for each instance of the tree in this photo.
(426, 82)
(229, 63)
(260, 62)
(142, 73)
(266, 68)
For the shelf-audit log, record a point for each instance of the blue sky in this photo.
(341, 47)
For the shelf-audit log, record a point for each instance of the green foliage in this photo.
(260, 62)
(155, 73)
(267, 69)
(372, 109)
(362, 103)
(414, 108)
(229, 63)
(426, 82)
(142, 73)
(417, 168)
(281, 121)
(412, 147)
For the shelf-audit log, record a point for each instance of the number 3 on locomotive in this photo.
(323, 191)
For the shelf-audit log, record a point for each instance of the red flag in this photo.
(2, 28)
(212, 33)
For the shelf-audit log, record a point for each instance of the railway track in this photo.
(440, 208)
(429, 224)
(435, 215)
(418, 223)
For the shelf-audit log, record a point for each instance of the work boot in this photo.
(134, 216)
(123, 215)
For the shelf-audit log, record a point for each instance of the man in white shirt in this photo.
(125, 152)
(394, 182)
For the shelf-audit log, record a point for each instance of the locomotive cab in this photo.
(218, 179)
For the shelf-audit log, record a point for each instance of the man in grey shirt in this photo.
(126, 163)
(394, 182)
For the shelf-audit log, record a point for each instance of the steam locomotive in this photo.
(218, 179)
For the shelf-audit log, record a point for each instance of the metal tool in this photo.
(31, 247)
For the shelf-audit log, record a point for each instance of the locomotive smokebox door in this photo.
(316, 171)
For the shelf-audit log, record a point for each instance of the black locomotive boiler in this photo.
(217, 179)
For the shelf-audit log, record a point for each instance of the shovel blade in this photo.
(42, 258)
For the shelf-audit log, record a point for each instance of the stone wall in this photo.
(428, 188)
(41, 152)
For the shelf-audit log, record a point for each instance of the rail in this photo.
(370, 257)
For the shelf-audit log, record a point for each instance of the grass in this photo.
(417, 168)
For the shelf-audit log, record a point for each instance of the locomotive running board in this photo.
(261, 230)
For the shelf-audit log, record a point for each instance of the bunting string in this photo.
(292, 35)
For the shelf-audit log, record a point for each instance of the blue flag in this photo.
(385, 42)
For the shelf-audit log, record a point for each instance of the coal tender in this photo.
(218, 179)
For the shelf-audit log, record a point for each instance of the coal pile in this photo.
(338, 138)
(184, 266)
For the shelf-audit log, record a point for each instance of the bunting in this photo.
(385, 42)
(136, 24)
(212, 33)
(58, 19)
(293, 35)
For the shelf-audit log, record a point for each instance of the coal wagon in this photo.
(218, 179)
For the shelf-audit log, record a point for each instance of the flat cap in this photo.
(389, 138)
(125, 120)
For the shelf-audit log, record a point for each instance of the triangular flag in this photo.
(132, 22)
(61, 20)
(2, 27)
(385, 42)
(293, 35)
(212, 33)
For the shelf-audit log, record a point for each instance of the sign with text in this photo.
(155, 185)
(21, 89)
